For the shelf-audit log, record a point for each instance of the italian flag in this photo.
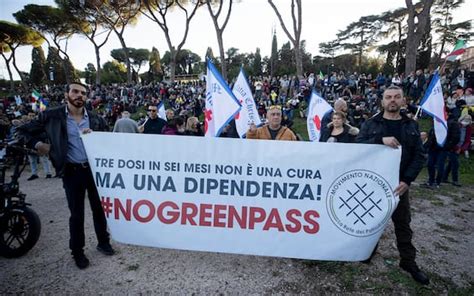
(458, 50)
(35, 96)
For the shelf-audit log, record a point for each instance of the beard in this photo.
(392, 108)
(78, 103)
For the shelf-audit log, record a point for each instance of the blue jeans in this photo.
(34, 164)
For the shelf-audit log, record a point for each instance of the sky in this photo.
(250, 26)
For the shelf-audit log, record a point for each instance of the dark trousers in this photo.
(76, 181)
(401, 220)
(452, 166)
(435, 163)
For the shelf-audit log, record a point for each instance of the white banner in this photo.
(221, 104)
(433, 104)
(324, 201)
(318, 107)
(248, 114)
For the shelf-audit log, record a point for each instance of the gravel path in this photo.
(442, 225)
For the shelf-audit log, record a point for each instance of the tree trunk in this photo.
(399, 49)
(22, 78)
(299, 62)
(99, 69)
(415, 32)
(127, 57)
(173, 55)
(222, 56)
(7, 62)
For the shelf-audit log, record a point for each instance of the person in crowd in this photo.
(169, 114)
(4, 124)
(451, 152)
(33, 158)
(465, 134)
(63, 126)
(125, 124)
(340, 105)
(469, 97)
(154, 124)
(395, 130)
(273, 130)
(339, 131)
(193, 127)
(437, 154)
(174, 126)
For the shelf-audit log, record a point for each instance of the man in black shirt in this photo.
(396, 130)
(154, 124)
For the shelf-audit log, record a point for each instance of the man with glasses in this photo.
(64, 126)
(153, 124)
(273, 130)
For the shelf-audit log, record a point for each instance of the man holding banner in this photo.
(64, 126)
(273, 130)
(393, 129)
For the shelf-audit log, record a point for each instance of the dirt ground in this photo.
(442, 224)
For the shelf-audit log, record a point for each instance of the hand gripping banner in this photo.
(324, 201)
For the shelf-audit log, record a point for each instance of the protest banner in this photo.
(324, 201)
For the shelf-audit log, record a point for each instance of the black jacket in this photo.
(348, 135)
(412, 161)
(452, 138)
(54, 122)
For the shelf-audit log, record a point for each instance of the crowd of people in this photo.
(378, 110)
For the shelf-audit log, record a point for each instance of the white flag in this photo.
(433, 104)
(318, 107)
(248, 114)
(162, 111)
(221, 104)
(18, 100)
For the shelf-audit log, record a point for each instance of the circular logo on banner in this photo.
(359, 202)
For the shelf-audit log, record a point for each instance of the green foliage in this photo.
(89, 73)
(114, 72)
(37, 71)
(257, 63)
(15, 35)
(185, 59)
(45, 19)
(155, 72)
(54, 65)
(137, 56)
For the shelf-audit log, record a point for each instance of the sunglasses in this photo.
(152, 110)
(275, 107)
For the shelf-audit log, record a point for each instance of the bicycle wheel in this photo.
(20, 230)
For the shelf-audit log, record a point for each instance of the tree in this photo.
(136, 56)
(155, 71)
(363, 33)
(11, 37)
(114, 72)
(54, 67)
(90, 73)
(37, 73)
(158, 12)
(51, 21)
(297, 26)
(257, 63)
(89, 23)
(415, 31)
(184, 61)
(274, 55)
(117, 15)
(215, 13)
(443, 25)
